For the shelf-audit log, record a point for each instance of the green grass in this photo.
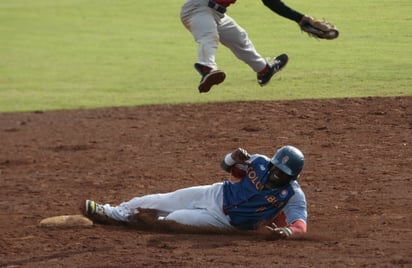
(86, 53)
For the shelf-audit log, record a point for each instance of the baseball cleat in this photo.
(95, 212)
(276, 65)
(209, 78)
(93, 208)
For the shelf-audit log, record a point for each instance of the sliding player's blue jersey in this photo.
(248, 202)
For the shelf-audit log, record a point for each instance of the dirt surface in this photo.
(357, 181)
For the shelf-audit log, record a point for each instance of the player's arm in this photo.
(283, 10)
(283, 229)
(320, 29)
(298, 227)
(292, 219)
(235, 162)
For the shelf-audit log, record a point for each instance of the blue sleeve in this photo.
(296, 208)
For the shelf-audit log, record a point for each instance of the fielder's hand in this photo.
(318, 28)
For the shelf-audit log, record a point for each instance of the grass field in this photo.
(71, 54)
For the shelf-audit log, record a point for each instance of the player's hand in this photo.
(321, 29)
(240, 156)
(279, 232)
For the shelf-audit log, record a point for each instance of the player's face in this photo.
(278, 176)
(276, 173)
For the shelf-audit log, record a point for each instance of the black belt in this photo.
(217, 7)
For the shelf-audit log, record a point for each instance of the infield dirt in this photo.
(357, 181)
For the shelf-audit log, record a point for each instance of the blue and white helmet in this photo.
(289, 160)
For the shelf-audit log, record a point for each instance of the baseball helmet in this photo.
(290, 160)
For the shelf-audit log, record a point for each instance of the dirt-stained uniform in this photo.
(264, 191)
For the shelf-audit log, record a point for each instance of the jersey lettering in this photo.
(271, 199)
(254, 178)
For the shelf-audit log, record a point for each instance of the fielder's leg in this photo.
(201, 21)
(236, 39)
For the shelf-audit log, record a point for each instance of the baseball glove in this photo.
(318, 28)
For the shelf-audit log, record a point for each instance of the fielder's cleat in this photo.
(274, 66)
(209, 77)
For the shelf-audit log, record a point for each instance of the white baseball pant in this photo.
(208, 27)
(196, 206)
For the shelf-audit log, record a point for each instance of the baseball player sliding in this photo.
(209, 24)
(266, 193)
